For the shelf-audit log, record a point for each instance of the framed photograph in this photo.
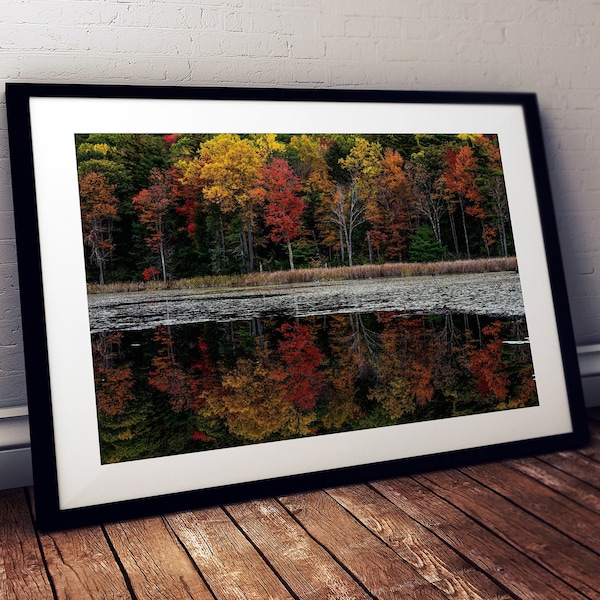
(233, 293)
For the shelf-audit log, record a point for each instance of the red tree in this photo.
(114, 382)
(168, 376)
(486, 365)
(283, 207)
(153, 205)
(387, 210)
(460, 176)
(98, 211)
(302, 359)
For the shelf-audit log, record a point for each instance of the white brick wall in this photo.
(551, 47)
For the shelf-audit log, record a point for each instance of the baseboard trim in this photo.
(589, 360)
(15, 454)
(15, 468)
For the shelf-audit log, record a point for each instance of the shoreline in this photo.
(312, 275)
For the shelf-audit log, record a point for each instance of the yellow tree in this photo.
(362, 165)
(307, 154)
(230, 170)
(267, 144)
(254, 403)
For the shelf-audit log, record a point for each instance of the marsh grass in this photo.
(322, 274)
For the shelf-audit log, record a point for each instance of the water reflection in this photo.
(189, 388)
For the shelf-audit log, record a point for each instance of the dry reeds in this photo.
(323, 274)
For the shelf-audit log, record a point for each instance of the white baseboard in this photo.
(15, 468)
(589, 366)
(15, 455)
(591, 391)
(589, 360)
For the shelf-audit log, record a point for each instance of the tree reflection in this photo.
(210, 385)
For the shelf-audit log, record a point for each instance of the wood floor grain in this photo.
(518, 529)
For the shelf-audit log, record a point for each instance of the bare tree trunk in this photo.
(485, 239)
(250, 248)
(163, 261)
(100, 264)
(464, 224)
(290, 254)
(454, 234)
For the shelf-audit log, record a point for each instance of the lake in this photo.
(183, 371)
(491, 294)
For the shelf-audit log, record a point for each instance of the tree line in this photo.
(188, 205)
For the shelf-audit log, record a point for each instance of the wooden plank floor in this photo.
(527, 528)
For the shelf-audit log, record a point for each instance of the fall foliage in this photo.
(283, 207)
(98, 213)
(209, 386)
(217, 204)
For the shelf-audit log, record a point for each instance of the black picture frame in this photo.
(70, 482)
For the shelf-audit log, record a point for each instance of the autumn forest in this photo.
(174, 206)
(161, 209)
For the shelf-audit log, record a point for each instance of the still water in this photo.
(490, 294)
(172, 387)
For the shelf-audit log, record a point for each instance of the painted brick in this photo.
(452, 11)
(7, 225)
(360, 27)
(423, 30)
(10, 334)
(11, 360)
(4, 173)
(237, 20)
(13, 389)
(559, 35)
(211, 71)
(8, 251)
(493, 33)
(413, 51)
(307, 48)
(27, 13)
(573, 140)
(592, 180)
(297, 6)
(524, 33)
(282, 25)
(345, 50)
(581, 265)
(503, 12)
(580, 232)
(586, 329)
(243, 45)
(329, 26)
